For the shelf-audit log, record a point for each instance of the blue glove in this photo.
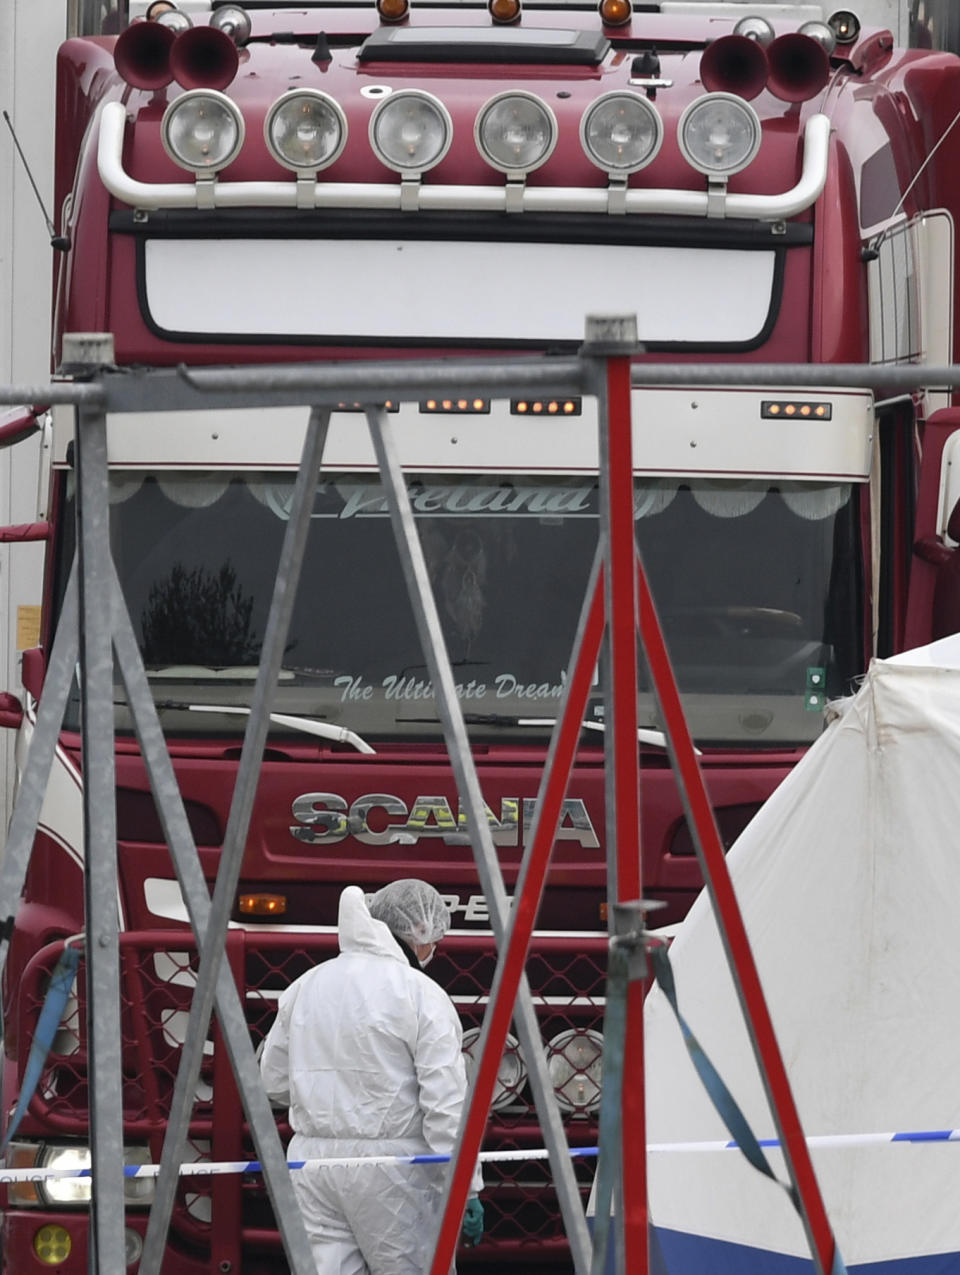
(473, 1221)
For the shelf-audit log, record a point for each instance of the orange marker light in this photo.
(393, 10)
(545, 407)
(504, 10)
(615, 13)
(262, 904)
(771, 409)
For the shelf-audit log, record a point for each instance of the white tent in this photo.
(849, 884)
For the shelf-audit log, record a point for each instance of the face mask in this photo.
(427, 959)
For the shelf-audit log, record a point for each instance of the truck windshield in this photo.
(756, 583)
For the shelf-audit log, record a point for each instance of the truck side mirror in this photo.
(11, 711)
(33, 669)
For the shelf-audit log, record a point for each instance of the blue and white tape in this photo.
(207, 1168)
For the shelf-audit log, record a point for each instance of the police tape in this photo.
(209, 1168)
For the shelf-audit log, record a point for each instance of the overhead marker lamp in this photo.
(305, 130)
(393, 10)
(615, 13)
(719, 134)
(504, 11)
(202, 131)
(515, 132)
(411, 131)
(621, 132)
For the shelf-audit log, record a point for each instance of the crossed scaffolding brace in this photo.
(95, 628)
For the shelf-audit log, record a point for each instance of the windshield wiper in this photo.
(645, 734)
(307, 725)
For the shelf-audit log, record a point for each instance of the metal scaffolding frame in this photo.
(95, 626)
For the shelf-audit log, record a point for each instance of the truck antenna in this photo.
(60, 242)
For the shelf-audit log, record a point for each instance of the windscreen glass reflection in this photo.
(756, 584)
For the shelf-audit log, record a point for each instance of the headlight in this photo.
(511, 1074)
(515, 132)
(305, 130)
(719, 134)
(202, 131)
(575, 1065)
(621, 132)
(411, 131)
(66, 1191)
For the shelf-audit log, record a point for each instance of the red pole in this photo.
(734, 935)
(623, 784)
(523, 915)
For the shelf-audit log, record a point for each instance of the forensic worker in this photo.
(366, 1052)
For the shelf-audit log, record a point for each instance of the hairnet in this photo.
(412, 910)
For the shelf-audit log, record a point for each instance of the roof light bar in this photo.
(441, 197)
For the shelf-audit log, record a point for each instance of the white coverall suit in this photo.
(366, 1051)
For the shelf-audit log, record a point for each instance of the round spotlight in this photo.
(845, 25)
(305, 130)
(234, 21)
(202, 131)
(411, 131)
(575, 1066)
(719, 134)
(621, 132)
(753, 28)
(515, 132)
(511, 1074)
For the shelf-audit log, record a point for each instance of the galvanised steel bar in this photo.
(106, 1253)
(238, 822)
(170, 390)
(36, 772)
(733, 933)
(488, 866)
(616, 339)
(626, 962)
(528, 893)
(884, 380)
(69, 392)
(193, 886)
